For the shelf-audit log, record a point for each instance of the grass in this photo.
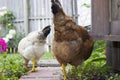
(47, 55)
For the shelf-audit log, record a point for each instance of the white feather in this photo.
(30, 46)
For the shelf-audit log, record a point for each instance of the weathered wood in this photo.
(113, 55)
(109, 52)
(112, 37)
(100, 17)
(97, 37)
(115, 9)
(115, 17)
(75, 10)
(39, 9)
(26, 21)
(115, 27)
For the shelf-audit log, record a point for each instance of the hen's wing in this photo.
(71, 49)
(23, 44)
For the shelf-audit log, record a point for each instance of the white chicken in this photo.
(33, 46)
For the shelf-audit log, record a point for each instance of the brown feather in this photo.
(72, 44)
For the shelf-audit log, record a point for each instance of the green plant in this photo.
(7, 18)
(13, 42)
(90, 70)
(99, 46)
(86, 5)
(6, 21)
(11, 67)
(11, 36)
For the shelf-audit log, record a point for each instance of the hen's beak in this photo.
(56, 6)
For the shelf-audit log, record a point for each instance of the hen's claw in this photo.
(33, 70)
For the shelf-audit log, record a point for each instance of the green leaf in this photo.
(86, 5)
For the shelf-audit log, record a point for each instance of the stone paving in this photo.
(46, 70)
(47, 63)
(44, 73)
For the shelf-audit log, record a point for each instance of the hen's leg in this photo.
(64, 72)
(34, 62)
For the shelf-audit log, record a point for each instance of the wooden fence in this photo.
(38, 12)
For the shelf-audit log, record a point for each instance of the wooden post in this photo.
(100, 18)
(109, 51)
(26, 17)
(113, 54)
(75, 10)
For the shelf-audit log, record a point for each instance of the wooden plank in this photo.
(75, 11)
(109, 52)
(19, 27)
(26, 21)
(115, 15)
(115, 27)
(113, 56)
(97, 37)
(42, 9)
(100, 17)
(115, 9)
(112, 37)
(115, 60)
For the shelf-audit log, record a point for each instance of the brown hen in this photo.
(72, 44)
